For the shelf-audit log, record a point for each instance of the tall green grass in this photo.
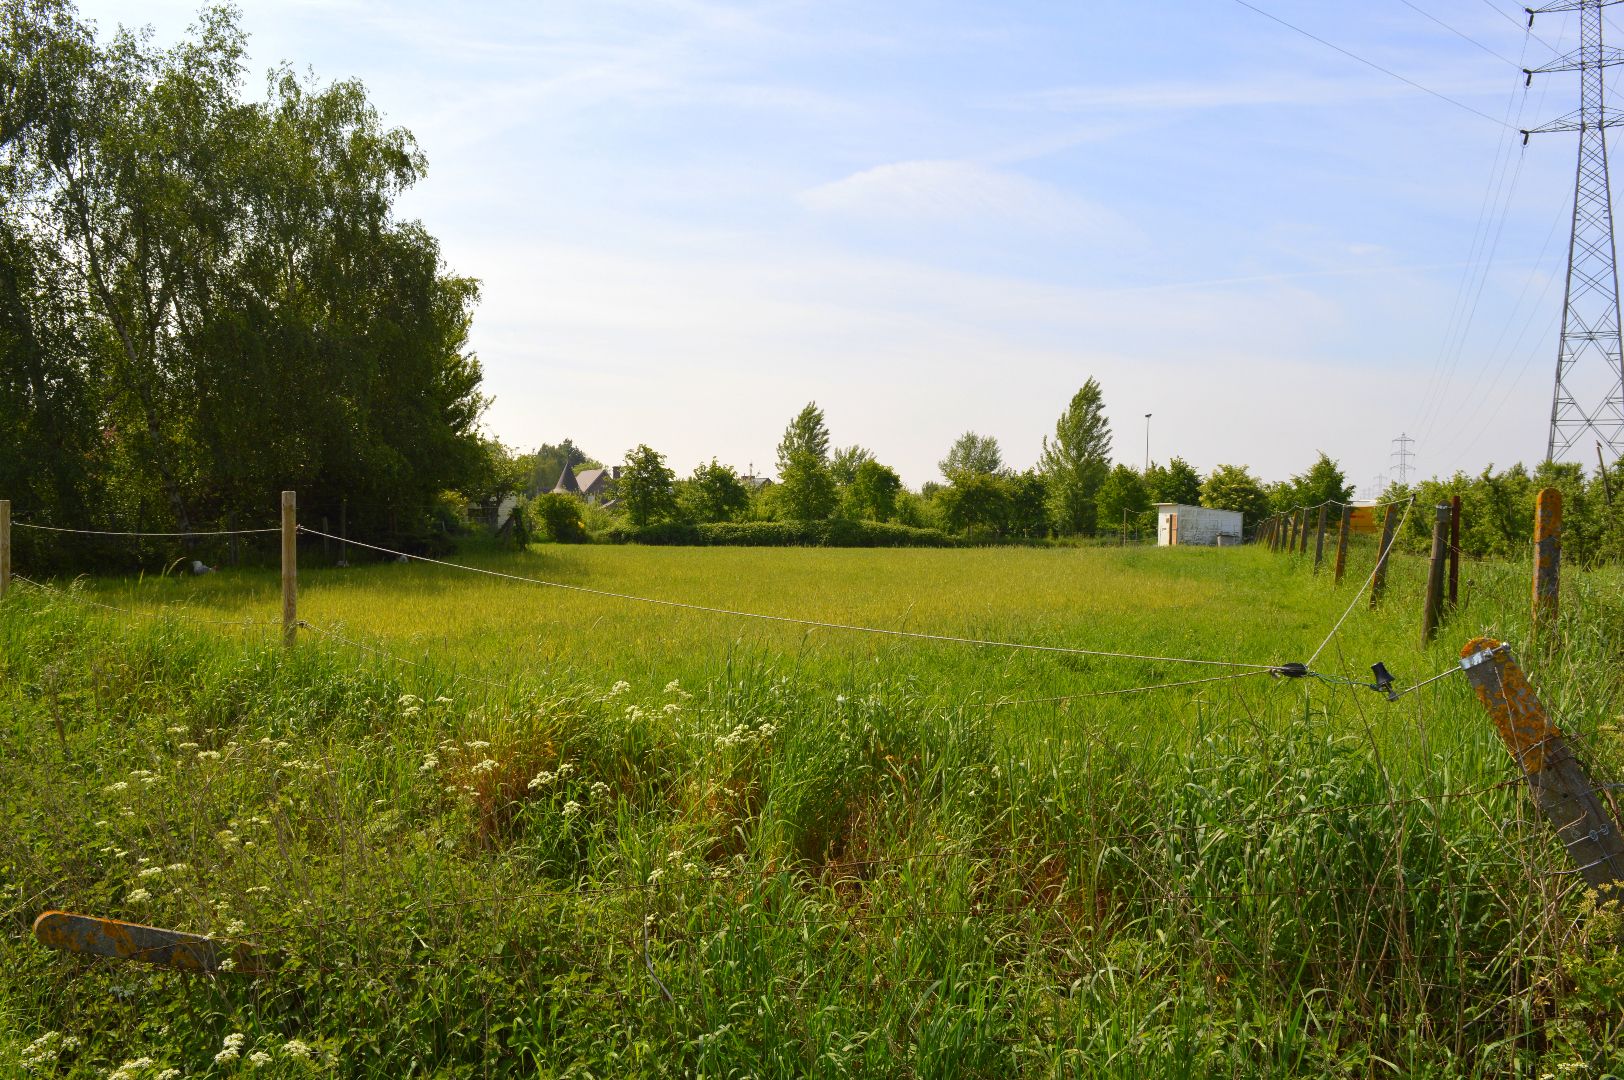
(577, 836)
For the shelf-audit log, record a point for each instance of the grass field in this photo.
(495, 829)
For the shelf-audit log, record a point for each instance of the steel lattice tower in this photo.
(1589, 395)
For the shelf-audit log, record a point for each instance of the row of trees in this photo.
(1073, 490)
(205, 299)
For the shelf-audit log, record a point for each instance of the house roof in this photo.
(592, 479)
(566, 482)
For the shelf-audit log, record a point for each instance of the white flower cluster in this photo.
(230, 1048)
(619, 688)
(430, 763)
(744, 735)
(571, 808)
(131, 1069)
(46, 1049)
(410, 704)
(138, 896)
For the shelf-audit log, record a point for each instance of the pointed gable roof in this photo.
(566, 482)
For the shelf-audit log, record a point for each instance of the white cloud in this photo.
(955, 191)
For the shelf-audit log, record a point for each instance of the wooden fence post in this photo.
(1557, 781)
(1378, 580)
(1274, 533)
(290, 568)
(1342, 542)
(1454, 550)
(1296, 530)
(1547, 557)
(1302, 541)
(1436, 565)
(1319, 538)
(5, 546)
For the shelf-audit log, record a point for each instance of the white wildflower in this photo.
(258, 1058)
(138, 896)
(131, 1069)
(177, 868)
(619, 688)
(672, 709)
(151, 871)
(236, 926)
(571, 808)
(540, 780)
(409, 699)
(430, 763)
(600, 790)
(655, 875)
(230, 1048)
(208, 755)
(487, 765)
(102, 824)
(296, 1049)
(176, 730)
(169, 1074)
(442, 700)
(565, 769)
(478, 744)
(257, 889)
(228, 964)
(122, 785)
(673, 687)
(188, 746)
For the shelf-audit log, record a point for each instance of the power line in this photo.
(1463, 36)
(1373, 65)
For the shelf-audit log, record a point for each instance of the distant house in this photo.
(592, 485)
(754, 484)
(1177, 523)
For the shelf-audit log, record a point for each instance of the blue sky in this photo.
(691, 217)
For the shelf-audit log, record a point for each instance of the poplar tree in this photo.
(1075, 463)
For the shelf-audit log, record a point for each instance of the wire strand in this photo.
(1381, 560)
(797, 621)
(106, 532)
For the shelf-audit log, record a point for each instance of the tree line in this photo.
(1073, 490)
(206, 299)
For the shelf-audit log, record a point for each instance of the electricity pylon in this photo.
(1589, 394)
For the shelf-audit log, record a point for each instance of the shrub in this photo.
(837, 533)
(560, 517)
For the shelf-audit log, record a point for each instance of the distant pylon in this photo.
(1589, 394)
(1401, 458)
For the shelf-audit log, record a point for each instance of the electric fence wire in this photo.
(1381, 560)
(797, 620)
(165, 612)
(107, 532)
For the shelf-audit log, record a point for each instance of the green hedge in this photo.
(838, 533)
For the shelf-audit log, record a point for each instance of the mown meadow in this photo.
(487, 828)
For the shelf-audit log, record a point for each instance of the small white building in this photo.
(1177, 523)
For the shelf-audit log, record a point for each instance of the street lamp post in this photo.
(1147, 444)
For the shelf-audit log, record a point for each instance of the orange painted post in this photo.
(1432, 609)
(1454, 550)
(5, 546)
(1378, 580)
(290, 568)
(1342, 542)
(1319, 538)
(1558, 782)
(93, 936)
(1547, 557)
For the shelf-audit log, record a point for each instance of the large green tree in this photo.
(1122, 498)
(647, 488)
(233, 307)
(806, 487)
(1175, 482)
(1074, 463)
(972, 455)
(1233, 487)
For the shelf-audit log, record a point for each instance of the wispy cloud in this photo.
(953, 191)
